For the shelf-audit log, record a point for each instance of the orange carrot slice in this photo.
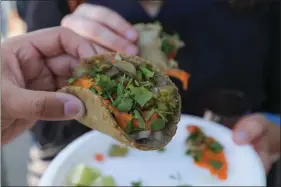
(208, 155)
(99, 157)
(123, 119)
(83, 82)
(180, 75)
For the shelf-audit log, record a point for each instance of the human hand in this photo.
(35, 65)
(262, 135)
(103, 27)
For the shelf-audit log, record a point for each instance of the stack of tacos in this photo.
(127, 98)
(161, 49)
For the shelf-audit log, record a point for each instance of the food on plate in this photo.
(161, 150)
(161, 49)
(206, 152)
(82, 175)
(99, 157)
(136, 183)
(127, 98)
(118, 151)
(106, 180)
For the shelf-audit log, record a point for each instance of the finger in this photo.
(249, 129)
(99, 34)
(62, 65)
(13, 131)
(100, 49)
(40, 105)
(61, 82)
(49, 43)
(109, 18)
(262, 149)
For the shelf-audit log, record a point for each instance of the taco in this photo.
(127, 98)
(161, 49)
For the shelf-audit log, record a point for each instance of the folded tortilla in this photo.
(100, 116)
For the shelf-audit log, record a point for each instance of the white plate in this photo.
(155, 168)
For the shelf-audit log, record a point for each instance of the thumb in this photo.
(43, 105)
(249, 129)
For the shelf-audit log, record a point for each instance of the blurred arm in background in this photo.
(42, 14)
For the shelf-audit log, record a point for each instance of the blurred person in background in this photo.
(11, 24)
(231, 45)
(4, 9)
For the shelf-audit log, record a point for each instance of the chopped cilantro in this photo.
(188, 152)
(71, 80)
(161, 150)
(117, 101)
(149, 115)
(158, 124)
(139, 76)
(215, 147)
(129, 128)
(216, 164)
(118, 151)
(138, 116)
(141, 95)
(146, 72)
(125, 105)
(94, 90)
(136, 183)
(105, 82)
(197, 156)
(120, 90)
(167, 47)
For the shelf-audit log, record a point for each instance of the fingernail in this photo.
(131, 49)
(73, 107)
(242, 137)
(131, 35)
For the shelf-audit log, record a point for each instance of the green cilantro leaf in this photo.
(136, 183)
(215, 147)
(158, 124)
(138, 116)
(105, 82)
(141, 95)
(71, 80)
(129, 128)
(197, 156)
(117, 101)
(146, 72)
(149, 115)
(161, 150)
(125, 105)
(216, 164)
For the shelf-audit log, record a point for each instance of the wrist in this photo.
(273, 118)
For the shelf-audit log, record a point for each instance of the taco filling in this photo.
(138, 98)
(161, 48)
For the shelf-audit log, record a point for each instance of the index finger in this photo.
(250, 128)
(53, 42)
(109, 18)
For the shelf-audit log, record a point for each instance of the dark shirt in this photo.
(225, 48)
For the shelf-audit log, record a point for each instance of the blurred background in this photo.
(15, 155)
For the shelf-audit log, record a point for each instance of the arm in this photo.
(274, 139)
(42, 14)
